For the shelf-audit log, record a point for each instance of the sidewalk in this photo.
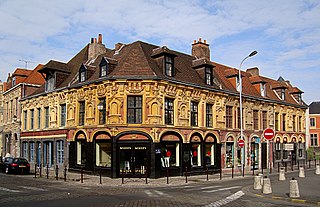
(309, 188)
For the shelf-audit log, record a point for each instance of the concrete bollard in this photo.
(281, 174)
(294, 189)
(318, 169)
(257, 182)
(266, 188)
(261, 179)
(301, 172)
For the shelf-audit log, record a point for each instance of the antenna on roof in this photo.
(26, 62)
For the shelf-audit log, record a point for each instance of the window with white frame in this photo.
(32, 150)
(170, 154)
(312, 122)
(60, 151)
(81, 153)
(195, 154)
(313, 140)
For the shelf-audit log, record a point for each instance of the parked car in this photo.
(16, 165)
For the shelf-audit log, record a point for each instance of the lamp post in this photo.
(240, 90)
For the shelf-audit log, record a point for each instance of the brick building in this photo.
(140, 107)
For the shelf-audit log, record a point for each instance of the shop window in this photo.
(314, 140)
(60, 152)
(170, 154)
(195, 154)
(81, 153)
(229, 154)
(285, 152)
(209, 154)
(103, 154)
(278, 150)
(255, 154)
(31, 151)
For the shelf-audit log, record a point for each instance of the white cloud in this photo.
(286, 33)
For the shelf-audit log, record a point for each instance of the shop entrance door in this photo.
(133, 159)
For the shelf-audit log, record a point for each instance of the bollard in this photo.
(266, 188)
(232, 171)
(35, 170)
(100, 175)
(257, 182)
(40, 170)
(294, 189)
(318, 169)
(278, 166)
(301, 172)
(47, 171)
(65, 173)
(261, 179)
(57, 172)
(167, 175)
(186, 174)
(81, 178)
(207, 174)
(122, 180)
(282, 174)
(145, 172)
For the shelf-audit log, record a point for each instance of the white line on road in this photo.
(204, 188)
(9, 190)
(33, 188)
(222, 189)
(226, 200)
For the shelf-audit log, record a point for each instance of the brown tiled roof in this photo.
(295, 90)
(55, 65)
(21, 72)
(35, 77)
(138, 60)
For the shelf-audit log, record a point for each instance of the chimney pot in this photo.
(205, 41)
(200, 40)
(95, 40)
(92, 39)
(194, 41)
(100, 38)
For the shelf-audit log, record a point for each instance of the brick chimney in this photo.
(96, 48)
(201, 49)
(253, 71)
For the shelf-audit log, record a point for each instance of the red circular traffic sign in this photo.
(268, 133)
(241, 143)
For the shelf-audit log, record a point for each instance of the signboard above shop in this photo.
(288, 147)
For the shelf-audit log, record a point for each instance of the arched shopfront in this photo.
(133, 151)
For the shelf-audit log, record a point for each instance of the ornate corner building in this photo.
(140, 108)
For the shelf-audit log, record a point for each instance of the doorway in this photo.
(133, 158)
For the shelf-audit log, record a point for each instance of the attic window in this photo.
(282, 93)
(208, 75)
(238, 83)
(263, 89)
(169, 69)
(103, 68)
(82, 73)
(49, 82)
(14, 81)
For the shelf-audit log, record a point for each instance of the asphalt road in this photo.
(25, 191)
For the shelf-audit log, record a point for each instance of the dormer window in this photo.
(263, 89)
(169, 69)
(238, 83)
(103, 67)
(283, 94)
(49, 81)
(208, 75)
(13, 81)
(82, 73)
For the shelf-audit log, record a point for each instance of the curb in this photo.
(275, 197)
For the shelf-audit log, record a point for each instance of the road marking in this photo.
(222, 189)
(156, 193)
(226, 200)
(204, 188)
(33, 188)
(9, 190)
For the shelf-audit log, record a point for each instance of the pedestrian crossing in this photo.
(21, 189)
(157, 193)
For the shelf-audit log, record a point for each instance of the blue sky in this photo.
(285, 33)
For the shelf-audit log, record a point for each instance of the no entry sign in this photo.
(241, 143)
(268, 133)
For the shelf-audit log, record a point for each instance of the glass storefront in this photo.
(133, 158)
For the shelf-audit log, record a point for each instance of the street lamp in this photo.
(240, 90)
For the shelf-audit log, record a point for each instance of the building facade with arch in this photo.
(142, 109)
